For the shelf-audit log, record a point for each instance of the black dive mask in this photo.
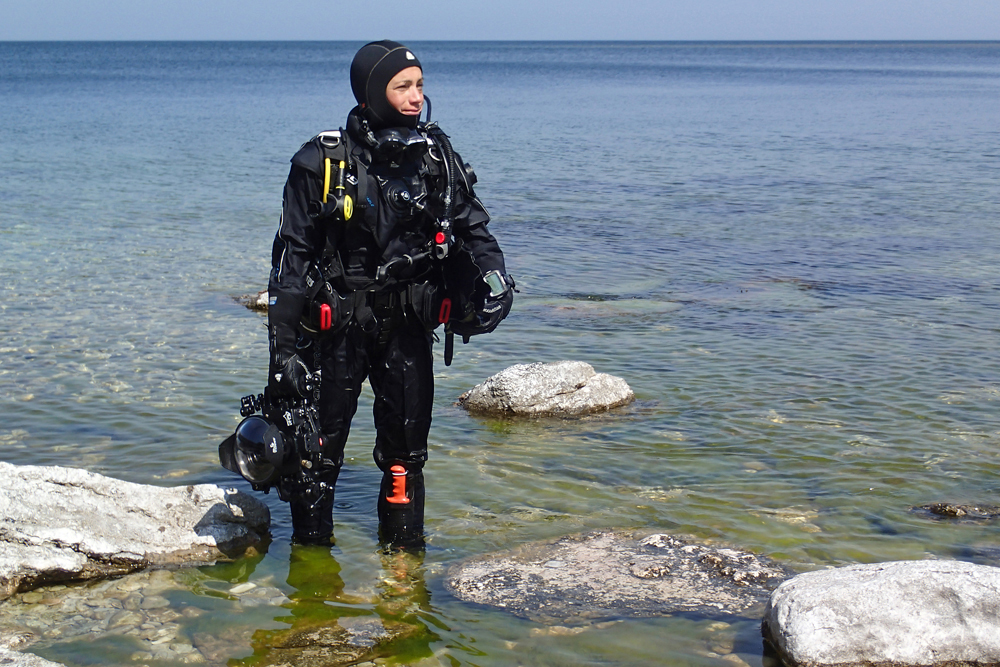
(399, 145)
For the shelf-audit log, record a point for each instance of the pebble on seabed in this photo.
(136, 606)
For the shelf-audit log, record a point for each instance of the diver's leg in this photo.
(401, 506)
(402, 377)
(342, 361)
(312, 508)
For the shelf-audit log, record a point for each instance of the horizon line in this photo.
(520, 41)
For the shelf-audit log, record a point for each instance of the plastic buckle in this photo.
(325, 317)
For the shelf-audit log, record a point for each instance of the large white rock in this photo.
(60, 524)
(557, 388)
(933, 612)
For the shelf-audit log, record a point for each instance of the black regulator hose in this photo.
(427, 105)
(451, 173)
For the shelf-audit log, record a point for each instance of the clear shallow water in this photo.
(789, 251)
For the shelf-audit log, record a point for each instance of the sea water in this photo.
(790, 251)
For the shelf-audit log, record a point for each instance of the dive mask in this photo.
(400, 145)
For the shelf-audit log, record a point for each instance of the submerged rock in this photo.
(61, 524)
(14, 659)
(610, 574)
(898, 613)
(257, 302)
(346, 641)
(135, 609)
(959, 511)
(557, 388)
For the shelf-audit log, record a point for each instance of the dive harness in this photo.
(327, 311)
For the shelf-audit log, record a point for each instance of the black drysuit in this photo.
(382, 331)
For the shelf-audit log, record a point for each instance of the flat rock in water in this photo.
(933, 612)
(614, 574)
(557, 388)
(60, 524)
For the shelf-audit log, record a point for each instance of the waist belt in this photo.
(382, 300)
(377, 309)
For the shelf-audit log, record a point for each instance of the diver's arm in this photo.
(485, 250)
(490, 308)
(470, 226)
(470, 221)
(296, 246)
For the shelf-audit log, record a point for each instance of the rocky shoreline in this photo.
(64, 526)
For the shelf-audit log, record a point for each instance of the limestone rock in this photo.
(14, 659)
(612, 574)
(59, 524)
(257, 302)
(557, 388)
(933, 612)
(963, 512)
(347, 641)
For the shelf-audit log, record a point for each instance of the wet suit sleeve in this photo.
(483, 246)
(297, 244)
(470, 226)
(470, 223)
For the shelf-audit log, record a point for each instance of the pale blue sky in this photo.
(510, 19)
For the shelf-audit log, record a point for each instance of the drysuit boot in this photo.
(312, 511)
(401, 508)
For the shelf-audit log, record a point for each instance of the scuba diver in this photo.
(381, 240)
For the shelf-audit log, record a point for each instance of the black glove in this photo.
(486, 318)
(292, 379)
(288, 374)
(494, 310)
(283, 313)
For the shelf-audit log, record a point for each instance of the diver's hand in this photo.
(486, 318)
(293, 379)
(494, 310)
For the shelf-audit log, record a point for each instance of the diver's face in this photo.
(405, 91)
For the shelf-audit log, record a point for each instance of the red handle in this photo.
(398, 496)
(445, 313)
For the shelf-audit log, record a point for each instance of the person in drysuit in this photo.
(382, 239)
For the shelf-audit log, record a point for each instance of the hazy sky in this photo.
(500, 19)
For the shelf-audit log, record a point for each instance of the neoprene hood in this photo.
(372, 69)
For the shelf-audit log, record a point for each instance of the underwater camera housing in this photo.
(282, 442)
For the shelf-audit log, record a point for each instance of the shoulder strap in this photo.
(361, 160)
(330, 144)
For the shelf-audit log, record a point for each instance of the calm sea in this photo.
(790, 251)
